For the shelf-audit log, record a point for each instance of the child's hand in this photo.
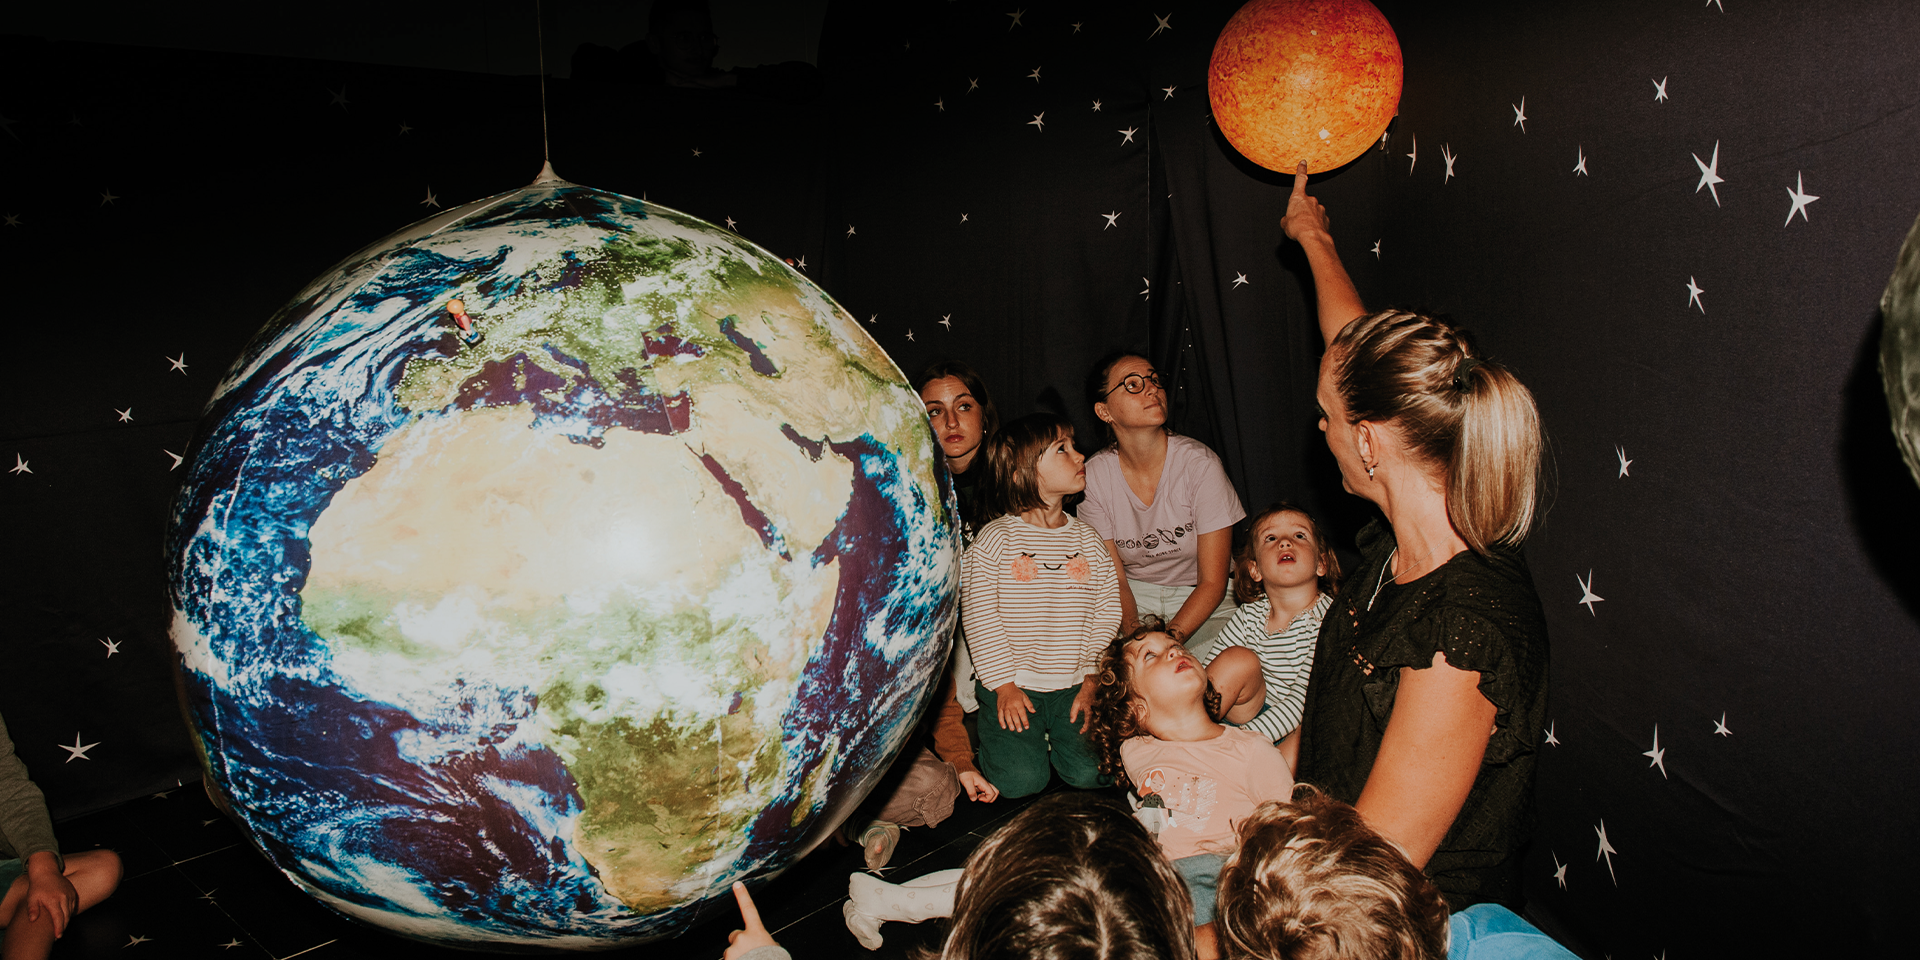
(1014, 707)
(1083, 705)
(755, 935)
(978, 787)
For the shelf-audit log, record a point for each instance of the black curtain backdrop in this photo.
(1732, 741)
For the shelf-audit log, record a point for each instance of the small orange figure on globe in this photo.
(1312, 80)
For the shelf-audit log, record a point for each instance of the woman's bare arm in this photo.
(1429, 757)
(1308, 224)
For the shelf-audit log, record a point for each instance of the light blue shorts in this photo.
(1202, 874)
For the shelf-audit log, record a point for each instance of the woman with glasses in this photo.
(1163, 505)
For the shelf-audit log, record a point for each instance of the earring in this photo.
(1369, 473)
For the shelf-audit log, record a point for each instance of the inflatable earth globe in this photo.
(538, 618)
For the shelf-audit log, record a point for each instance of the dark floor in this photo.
(194, 888)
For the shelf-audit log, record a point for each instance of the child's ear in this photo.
(1320, 568)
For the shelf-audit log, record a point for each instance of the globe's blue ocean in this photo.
(457, 625)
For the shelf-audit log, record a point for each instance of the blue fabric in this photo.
(9, 871)
(1202, 874)
(1488, 931)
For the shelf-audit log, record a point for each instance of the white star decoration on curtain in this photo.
(1658, 755)
(1710, 178)
(1520, 114)
(1606, 850)
(1587, 596)
(1800, 198)
(1694, 290)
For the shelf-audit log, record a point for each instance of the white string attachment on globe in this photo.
(540, 39)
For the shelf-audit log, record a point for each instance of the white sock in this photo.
(864, 928)
(921, 898)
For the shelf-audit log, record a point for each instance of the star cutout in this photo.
(339, 98)
(850, 230)
(1146, 292)
(1621, 452)
(405, 128)
(1552, 741)
(1414, 157)
(107, 197)
(1112, 220)
(1659, 756)
(112, 645)
(13, 219)
(179, 363)
(132, 940)
(1016, 15)
(946, 320)
(1035, 75)
(1717, 3)
(1161, 25)
(1710, 177)
(177, 459)
(1376, 249)
(730, 223)
(973, 83)
(1660, 90)
(1239, 279)
(1039, 120)
(1588, 597)
(1800, 199)
(696, 151)
(1694, 291)
(19, 465)
(1447, 154)
(1168, 90)
(1520, 114)
(163, 795)
(431, 200)
(126, 416)
(941, 104)
(1096, 106)
(1606, 850)
(873, 320)
(1720, 725)
(231, 943)
(909, 333)
(78, 752)
(963, 218)
(1581, 167)
(801, 263)
(1076, 26)
(208, 896)
(1383, 140)
(1559, 870)
(1128, 134)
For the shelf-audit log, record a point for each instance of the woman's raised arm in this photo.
(1308, 224)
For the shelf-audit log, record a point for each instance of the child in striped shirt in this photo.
(1039, 600)
(1285, 576)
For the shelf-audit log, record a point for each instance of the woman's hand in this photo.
(1014, 707)
(755, 935)
(978, 788)
(1305, 216)
(1335, 298)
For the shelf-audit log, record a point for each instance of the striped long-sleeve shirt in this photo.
(1039, 605)
(1286, 659)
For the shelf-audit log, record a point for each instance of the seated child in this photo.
(1285, 575)
(920, 790)
(39, 890)
(1312, 881)
(1153, 732)
(1072, 877)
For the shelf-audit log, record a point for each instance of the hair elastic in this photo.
(1461, 372)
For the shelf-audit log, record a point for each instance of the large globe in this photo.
(545, 633)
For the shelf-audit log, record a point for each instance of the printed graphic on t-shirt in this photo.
(1159, 543)
(1190, 800)
(1026, 566)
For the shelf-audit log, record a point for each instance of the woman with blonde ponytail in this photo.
(1427, 701)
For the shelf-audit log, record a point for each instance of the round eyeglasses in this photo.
(1135, 382)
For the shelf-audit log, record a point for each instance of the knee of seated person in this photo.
(1020, 783)
(1235, 666)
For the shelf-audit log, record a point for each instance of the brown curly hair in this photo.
(1114, 717)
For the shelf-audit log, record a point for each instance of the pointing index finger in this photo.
(749, 915)
(1300, 179)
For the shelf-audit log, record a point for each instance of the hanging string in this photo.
(540, 37)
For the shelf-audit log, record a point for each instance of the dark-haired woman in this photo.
(1163, 504)
(1428, 695)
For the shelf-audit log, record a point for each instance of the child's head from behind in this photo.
(1072, 877)
(1015, 455)
(1284, 546)
(1140, 668)
(1312, 881)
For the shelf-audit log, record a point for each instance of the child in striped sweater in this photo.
(1285, 576)
(1039, 600)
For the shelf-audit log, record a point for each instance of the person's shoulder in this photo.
(996, 530)
(1191, 450)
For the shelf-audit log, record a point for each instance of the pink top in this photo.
(1208, 786)
(1161, 544)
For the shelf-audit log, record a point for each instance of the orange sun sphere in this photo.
(1313, 80)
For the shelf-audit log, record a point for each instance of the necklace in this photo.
(1382, 583)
